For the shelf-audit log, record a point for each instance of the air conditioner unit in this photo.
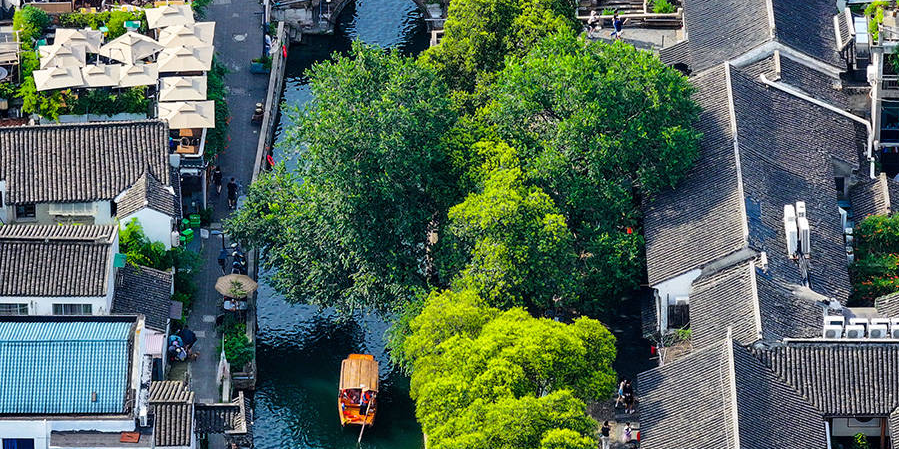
(877, 331)
(844, 217)
(854, 331)
(791, 230)
(859, 321)
(142, 417)
(880, 321)
(800, 210)
(834, 320)
(833, 331)
(894, 330)
(682, 301)
(805, 235)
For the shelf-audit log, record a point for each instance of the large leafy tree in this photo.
(478, 370)
(350, 228)
(479, 34)
(598, 127)
(508, 241)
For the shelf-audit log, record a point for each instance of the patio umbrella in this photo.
(169, 15)
(188, 114)
(87, 38)
(101, 75)
(58, 78)
(62, 56)
(186, 59)
(138, 75)
(236, 285)
(181, 88)
(199, 34)
(130, 48)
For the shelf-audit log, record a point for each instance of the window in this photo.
(72, 309)
(18, 443)
(25, 211)
(13, 309)
(77, 209)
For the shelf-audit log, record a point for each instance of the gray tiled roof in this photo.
(80, 162)
(146, 291)
(870, 197)
(222, 418)
(888, 305)
(814, 83)
(719, 31)
(172, 406)
(147, 191)
(845, 28)
(55, 260)
(722, 397)
(699, 220)
(840, 379)
(720, 300)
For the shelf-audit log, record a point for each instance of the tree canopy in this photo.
(350, 228)
(479, 372)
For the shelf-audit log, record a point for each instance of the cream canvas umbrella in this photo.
(199, 34)
(101, 75)
(182, 88)
(62, 56)
(188, 114)
(87, 38)
(185, 59)
(236, 285)
(169, 15)
(58, 78)
(138, 75)
(130, 48)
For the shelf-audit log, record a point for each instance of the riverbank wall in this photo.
(272, 102)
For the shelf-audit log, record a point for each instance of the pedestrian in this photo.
(629, 398)
(592, 21)
(617, 25)
(605, 435)
(620, 399)
(232, 193)
(217, 179)
(628, 433)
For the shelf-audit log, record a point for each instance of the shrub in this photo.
(662, 7)
(31, 23)
(860, 441)
(876, 270)
(217, 138)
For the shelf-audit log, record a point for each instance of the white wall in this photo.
(670, 289)
(157, 225)
(39, 429)
(101, 216)
(43, 305)
(847, 427)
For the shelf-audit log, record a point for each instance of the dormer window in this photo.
(25, 211)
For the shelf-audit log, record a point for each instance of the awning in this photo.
(138, 75)
(87, 38)
(170, 15)
(155, 343)
(101, 75)
(58, 78)
(130, 48)
(185, 59)
(188, 114)
(182, 88)
(359, 371)
(62, 56)
(199, 34)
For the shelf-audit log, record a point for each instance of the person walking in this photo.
(232, 193)
(628, 433)
(592, 22)
(617, 25)
(620, 399)
(605, 434)
(629, 398)
(217, 179)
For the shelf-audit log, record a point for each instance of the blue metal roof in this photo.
(54, 367)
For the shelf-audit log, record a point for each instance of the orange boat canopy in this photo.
(359, 371)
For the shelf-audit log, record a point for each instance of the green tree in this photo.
(566, 439)
(599, 127)
(479, 34)
(479, 372)
(377, 182)
(30, 22)
(509, 241)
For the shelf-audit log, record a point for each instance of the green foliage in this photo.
(113, 20)
(874, 11)
(479, 34)
(238, 349)
(566, 439)
(479, 372)
(46, 104)
(108, 102)
(217, 138)
(662, 7)
(514, 245)
(875, 271)
(140, 250)
(860, 441)
(31, 23)
(376, 176)
(199, 7)
(598, 127)
(8, 90)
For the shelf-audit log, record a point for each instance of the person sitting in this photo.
(363, 404)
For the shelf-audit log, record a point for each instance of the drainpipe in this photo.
(796, 93)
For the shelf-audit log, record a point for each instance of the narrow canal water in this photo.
(300, 348)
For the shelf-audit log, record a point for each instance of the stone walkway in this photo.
(238, 39)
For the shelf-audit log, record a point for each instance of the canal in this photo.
(299, 349)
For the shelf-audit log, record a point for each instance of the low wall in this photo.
(275, 84)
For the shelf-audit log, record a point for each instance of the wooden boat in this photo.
(356, 396)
